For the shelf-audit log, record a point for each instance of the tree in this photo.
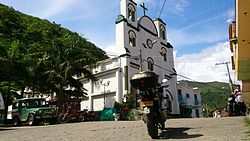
(42, 56)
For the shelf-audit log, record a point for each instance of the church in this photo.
(143, 46)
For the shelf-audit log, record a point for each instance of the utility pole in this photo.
(229, 77)
(140, 61)
(104, 97)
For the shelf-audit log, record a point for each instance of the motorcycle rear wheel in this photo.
(152, 126)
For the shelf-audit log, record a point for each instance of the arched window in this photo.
(132, 38)
(150, 63)
(131, 12)
(164, 53)
(162, 32)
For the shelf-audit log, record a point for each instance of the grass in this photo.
(247, 122)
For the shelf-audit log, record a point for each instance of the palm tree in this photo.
(66, 58)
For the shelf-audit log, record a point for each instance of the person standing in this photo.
(231, 104)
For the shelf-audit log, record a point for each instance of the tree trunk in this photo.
(7, 102)
(60, 100)
(22, 91)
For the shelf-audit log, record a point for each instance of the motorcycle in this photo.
(67, 117)
(88, 115)
(151, 97)
(231, 105)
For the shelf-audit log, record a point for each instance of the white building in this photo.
(190, 100)
(2, 107)
(143, 46)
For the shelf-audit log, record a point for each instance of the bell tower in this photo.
(126, 26)
(161, 29)
(128, 10)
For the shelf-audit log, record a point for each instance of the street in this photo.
(200, 129)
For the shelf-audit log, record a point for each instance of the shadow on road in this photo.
(177, 133)
(5, 129)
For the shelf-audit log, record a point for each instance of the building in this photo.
(239, 35)
(189, 99)
(2, 107)
(143, 46)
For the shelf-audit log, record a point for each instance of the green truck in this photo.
(33, 111)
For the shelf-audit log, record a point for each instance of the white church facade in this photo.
(143, 46)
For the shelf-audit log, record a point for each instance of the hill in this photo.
(213, 94)
(42, 55)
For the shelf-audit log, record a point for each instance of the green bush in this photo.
(247, 122)
(134, 114)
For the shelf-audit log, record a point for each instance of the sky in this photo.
(197, 29)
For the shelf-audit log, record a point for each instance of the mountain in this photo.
(213, 94)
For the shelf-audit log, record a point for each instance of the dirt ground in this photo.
(195, 129)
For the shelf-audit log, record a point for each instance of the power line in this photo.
(158, 4)
(171, 71)
(162, 8)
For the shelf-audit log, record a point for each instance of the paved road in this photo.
(197, 129)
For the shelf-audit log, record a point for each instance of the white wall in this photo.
(191, 100)
(1, 102)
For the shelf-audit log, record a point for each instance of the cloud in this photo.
(177, 6)
(201, 66)
(181, 5)
(56, 6)
(209, 30)
(45, 9)
(230, 15)
(180, 39)
(113, 51)
(145, 1)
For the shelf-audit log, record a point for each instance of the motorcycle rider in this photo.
(69, 108)
(240, 105)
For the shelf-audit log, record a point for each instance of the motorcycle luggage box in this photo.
(146, 79)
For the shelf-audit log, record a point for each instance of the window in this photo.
(23, 104)
(15, 105)
(179, 92)
(187, 95)
(131, 12)
(169, 106)
(179, 97)
(164, 53)
(150, 64)
(195, 96)
(196, 101)
(162, 32)
(132, 38)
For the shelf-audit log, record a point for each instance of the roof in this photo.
(16, 100)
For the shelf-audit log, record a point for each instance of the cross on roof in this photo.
(144, 8)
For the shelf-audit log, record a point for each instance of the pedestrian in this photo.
(231, 104)
(116, 116)
(240, 105)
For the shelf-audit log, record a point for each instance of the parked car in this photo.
(33, 111)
